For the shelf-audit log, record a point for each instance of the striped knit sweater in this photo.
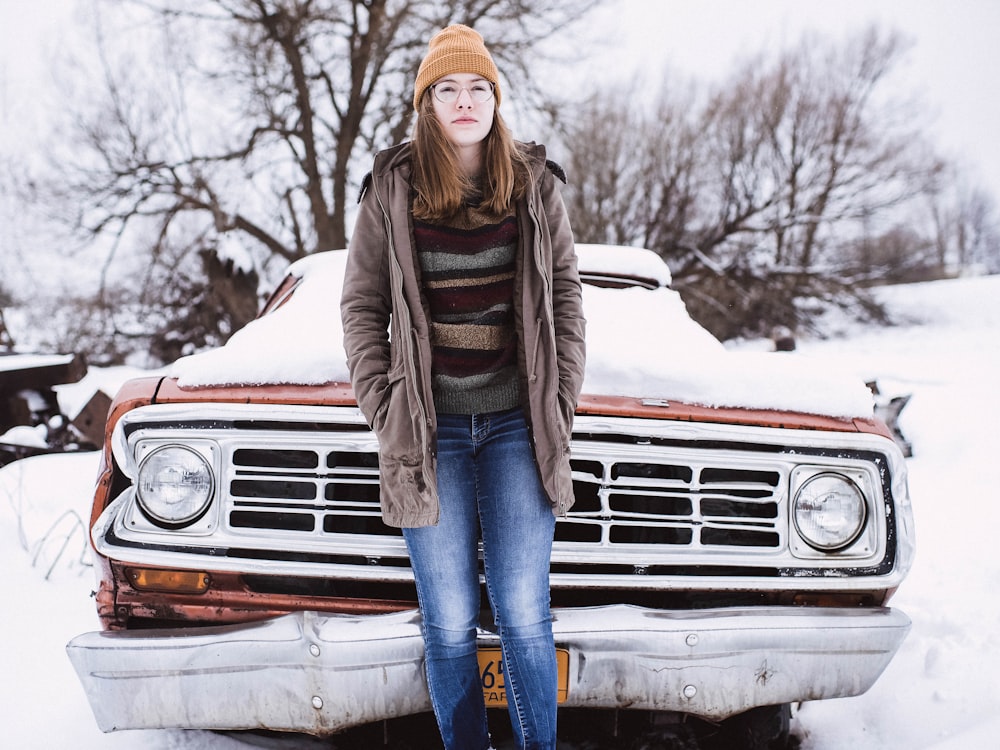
(468, 269)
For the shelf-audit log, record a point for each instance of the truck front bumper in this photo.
(322, 673)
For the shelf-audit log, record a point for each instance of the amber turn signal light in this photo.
(176, 581)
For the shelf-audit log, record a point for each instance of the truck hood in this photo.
(641, 344)
(168, 390)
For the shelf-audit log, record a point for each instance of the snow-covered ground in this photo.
(941, 691)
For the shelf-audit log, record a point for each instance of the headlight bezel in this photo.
(861, 540)
(147, 452)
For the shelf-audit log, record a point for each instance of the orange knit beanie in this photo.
(456, 49)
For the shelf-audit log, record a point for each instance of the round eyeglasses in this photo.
(447, 92)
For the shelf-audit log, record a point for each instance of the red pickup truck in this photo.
(741, 522)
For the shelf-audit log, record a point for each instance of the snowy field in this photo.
(941, 692)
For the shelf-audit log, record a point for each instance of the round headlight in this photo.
(829, 511)
(174, 486)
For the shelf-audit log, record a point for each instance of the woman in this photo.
(464, 334)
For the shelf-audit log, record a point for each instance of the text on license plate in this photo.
(492, 675)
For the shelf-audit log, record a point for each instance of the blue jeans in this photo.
(487, 480)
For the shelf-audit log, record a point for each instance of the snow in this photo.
(300, 342)
(939, 693)
(624, 261)
(13, 362)
(630, 334)
(30, 437)
(74, 396)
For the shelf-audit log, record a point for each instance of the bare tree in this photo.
(254, 119)
(634, 179)
(754, 194)
(966, 229)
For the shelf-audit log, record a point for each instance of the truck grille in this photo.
(299, 496)
(624, 503)
(649, 502)
(308, 491)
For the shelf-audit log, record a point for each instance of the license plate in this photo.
(492, 676)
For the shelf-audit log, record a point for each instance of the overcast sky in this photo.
(953, 64)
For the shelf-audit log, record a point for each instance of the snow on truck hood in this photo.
(640, 343)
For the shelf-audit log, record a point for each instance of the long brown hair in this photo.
(441, 186)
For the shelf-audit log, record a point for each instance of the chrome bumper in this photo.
(320, 673)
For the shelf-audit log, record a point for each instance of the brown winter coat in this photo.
(386, 336)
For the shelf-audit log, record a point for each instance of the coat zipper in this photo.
(536, 258)
(406, 324)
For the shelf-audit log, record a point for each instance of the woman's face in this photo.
(465, 120)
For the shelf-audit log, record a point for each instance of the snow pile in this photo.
(10, 363)
(30, 437)
(640, 342)
(300, 342)
(636, 262)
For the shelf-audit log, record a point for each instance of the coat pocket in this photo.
(394, 423)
